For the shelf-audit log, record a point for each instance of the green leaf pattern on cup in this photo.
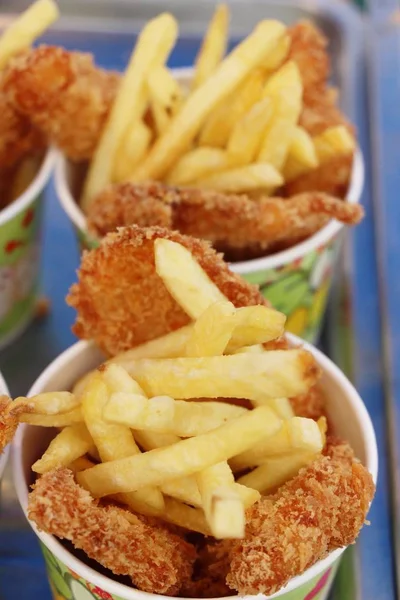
(68, 585)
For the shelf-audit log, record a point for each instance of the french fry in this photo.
(226, 78)
(278, 54)
(133, 149)
(334, 141)
(118, 380)
(171, 345)
(165, 415)
(81, 464)
(71, 443)
(245, 139)
(113, 441)
(276, 143)
(198, 163)
(184, 489)
(213, 47)
(301, 156)
(257, 377)
(81, 383)
(274, 472)
(26, 28)
(222, 120)
(153, 47)
(282, 407)
(160, 116)
(255, 349)
(212, 330)
(222, 505)
(296, 435)
(149, 440)
(48, 403)
(286, 87)
(165, 89)
(188, 456)
(257, 176)
(61, 420)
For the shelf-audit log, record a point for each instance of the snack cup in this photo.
(4, 456)
(72, 579)
(20, 237)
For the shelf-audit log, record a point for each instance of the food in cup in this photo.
(261, 122)
(193, 445)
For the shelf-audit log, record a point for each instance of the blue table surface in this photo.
(20, 560)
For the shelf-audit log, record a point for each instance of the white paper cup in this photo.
(72, 579)
(20, 245)
(296, 281)
(4, 456)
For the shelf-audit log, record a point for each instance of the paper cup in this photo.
(4, 456)
(20, 241)
(71, 579)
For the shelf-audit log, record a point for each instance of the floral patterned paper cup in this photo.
(72, 579)
(4, 456)
(20, 240)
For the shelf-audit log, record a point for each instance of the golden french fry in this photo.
(133, 149)
(171, 345)
(274, 472)
(165, 89)
(113, 441)
(213, 47)
(178, 270)
(160, 116)
(296, 435)
(179, 514)
(332, 142)
(165, 415)
(285, 86)
(149, 440)
(184, 489)
(255, 349)
(282, 407)
(278, 54)
(198, 163)
(222, 505)
(118, 380)
(153, 47)
(48, 403)
(226, 78)
(302, 148)
(71, 443)
(59, 420)
(257, 377)
(81, 464)
(24, 30)
(248, 496)
(222, 120)
(256, 325)
(276, 143)
(212, 330)
(245, 139)
(257, 176)
(80, 385)
(188, 456)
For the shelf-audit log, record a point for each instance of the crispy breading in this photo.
(122, 302)
(63, 94)
(228, 221)
(338, 449)
(322, 508)
(156, 560)
(311, 404)
(308, 48)
(210, 571)
(8, 420)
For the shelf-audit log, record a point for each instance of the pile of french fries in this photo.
(232, 128)
(160, 428)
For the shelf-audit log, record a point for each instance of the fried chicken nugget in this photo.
(308, 48)
(156, 560)
(8, 420)
(228, 221)
(210, 571)
(63, 94)
(321, 509)
(310, 405)
(122, 302)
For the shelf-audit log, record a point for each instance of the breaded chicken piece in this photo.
(63, 94)
(122, 302)
(9, 420)
(308, 49)
(228, 221)
(310, 405)
(156, 560)
(210, 571)
(338, 449)
(321, 509)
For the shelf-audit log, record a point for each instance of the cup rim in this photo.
(4, 456)
(36, 186)
(123, 591)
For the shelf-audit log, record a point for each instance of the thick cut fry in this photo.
(118, 380)
(274, 472)
(213, 47)
(257, 377)
(198, 163)
(184, 458)
(212, 330)
(80, 385)
(184, 489)
(71, 443)
(301, 156)
(165, 415)
(222, 505)
(286, 88)
(132, 150)
(282, 407)
(171, 345)
(257, 176)
(223, 119)
(296, 435)
(184, 516)
(278, 54)
(59, 420)
(27, 28)
(334, 141)
(184, 277)
(245, 140)
(160, 116)
(227, 77)
(81, 464)
(113, 441)
(48, 403)
(153, 47)
(165, 89)
(149, 440)
(277, 140)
